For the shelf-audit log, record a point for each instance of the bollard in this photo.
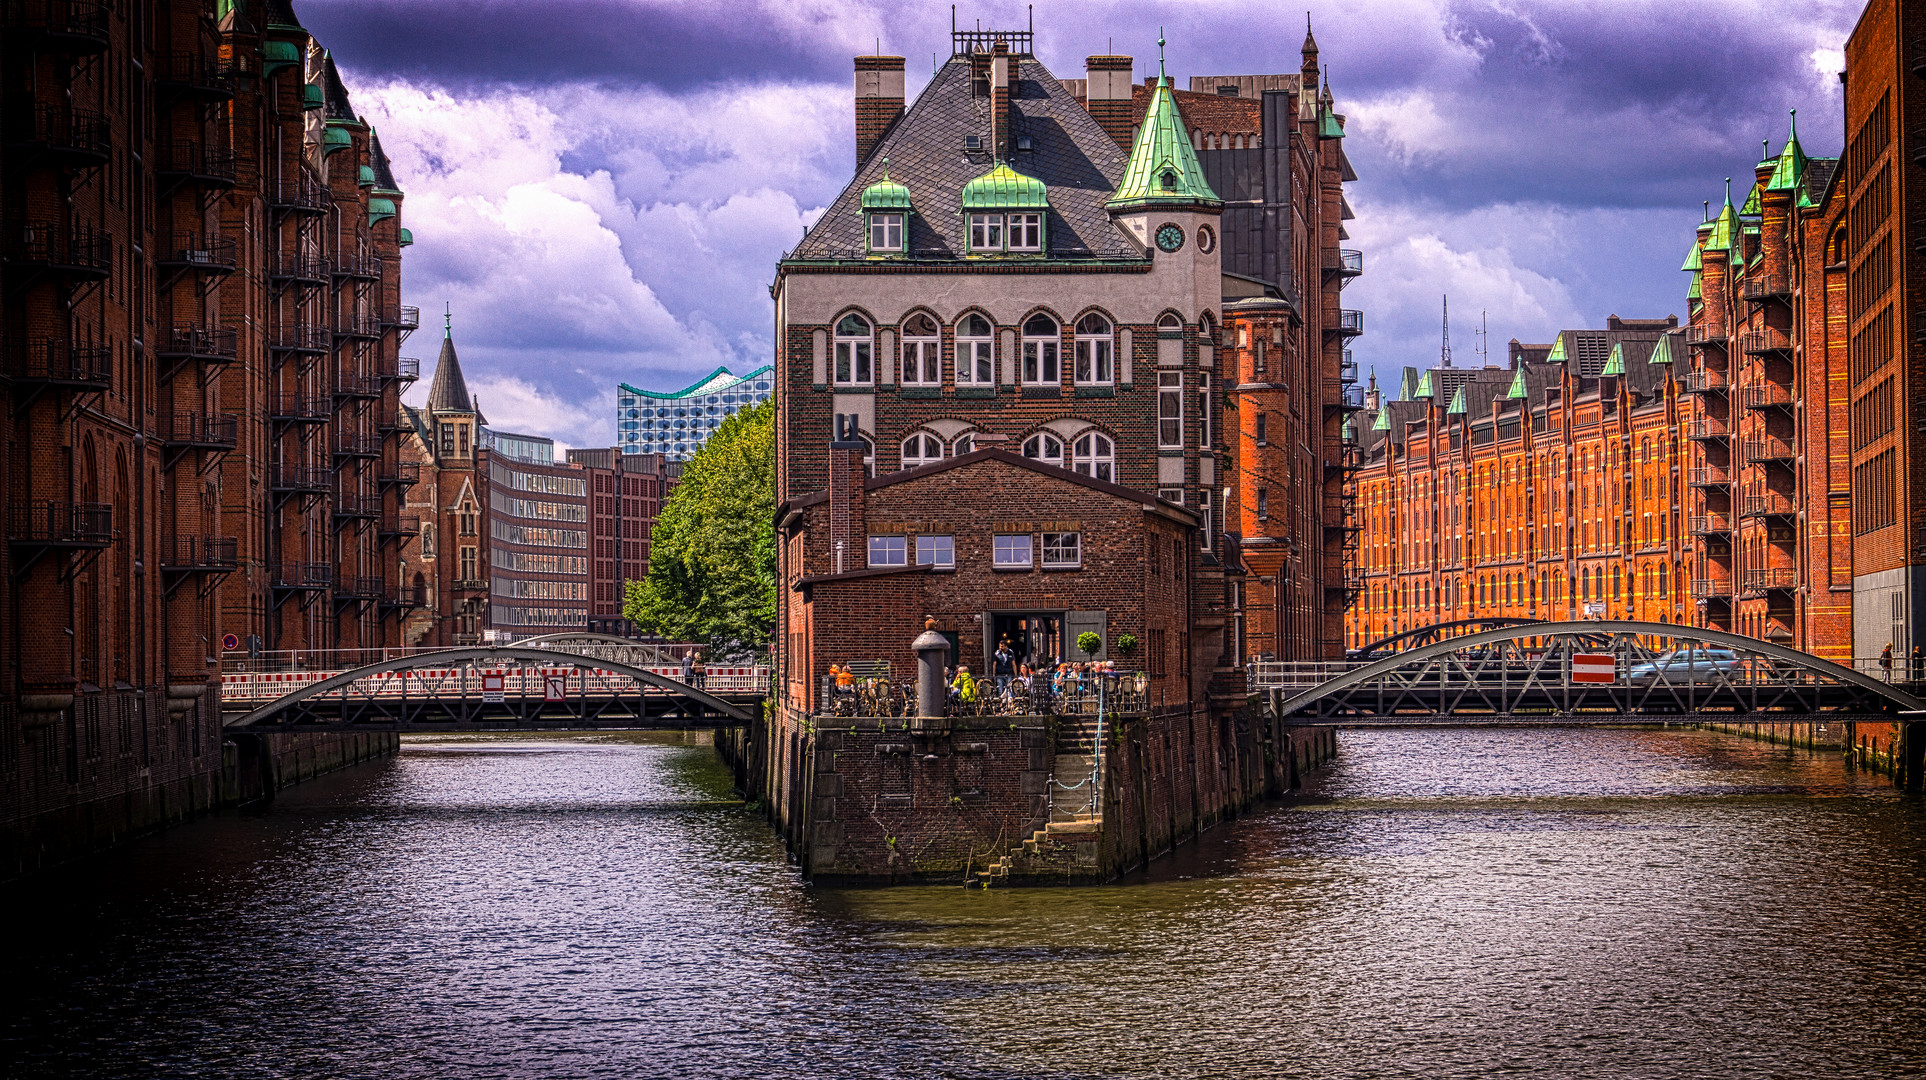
(930, 648)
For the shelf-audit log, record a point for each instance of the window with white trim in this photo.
(921, 448)
(1203, 512)
(888, 551)
(975, 351)
(1041, 340)
(1062, 551)
(1011, 550)
(1045, 447)
(855, 352)
(885, 232)
(936, 551)
(922, 352)
(986, 232)
(964, 444)
(1170, 410)
(1025, 232)
(1096, 363)
(1093, 454)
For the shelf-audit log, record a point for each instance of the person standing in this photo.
(1886, 662)
(1005, 669)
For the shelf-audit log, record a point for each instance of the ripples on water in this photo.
(1442, 904)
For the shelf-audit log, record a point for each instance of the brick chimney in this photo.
(848, 531)
(879, 101)
(1001, 141)
(1107, 82)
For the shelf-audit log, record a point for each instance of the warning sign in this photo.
(554, 686)
(1594, 667)
(492, 687)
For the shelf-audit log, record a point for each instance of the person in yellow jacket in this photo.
(964, 686)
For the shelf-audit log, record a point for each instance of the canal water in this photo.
(1474, 903)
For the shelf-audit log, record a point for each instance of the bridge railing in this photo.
(1124, 692)
(334, 661)
(466, 680)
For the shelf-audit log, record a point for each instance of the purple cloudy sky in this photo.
(600, 188)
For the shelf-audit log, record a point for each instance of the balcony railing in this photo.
(1710, 588)
(400, 526)
(1766, 504)
(301, 195)
(300, 338)
(406, 317)
(74, 251)
(353, 444)
(195, 73)
(61, 524)
(1763, 286)
(1765, 395)
(1704, 381)
(216, 345)
(401, 369)
(1709, 524)
(1765, 342)
(304, 479)
(1346, 262)
(405, 597)
(1778, 577)
(361, 587)
(356, 326)
(287, 408)
(310, 576)
(361, 507)
(350, 385)
(1768, 449)
(62, 363)
(200, 431)
(80, 136)
(76, 27)
(304, 269)
(1705, 335)
(191, 159)
(355, 265)
(468, 585)
(1706, 429)
(201, 554)
(1710, 476)
(1120, 693)
(401, 474)
(1350, 322)
(198, 252)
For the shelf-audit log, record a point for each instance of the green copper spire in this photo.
(1557, 354)
(1457, 403)
(1725, 228)
(1791, 169)
(1752, 207)
(1517, 391)
(1662, 353)
(1697, 291)
(1163, 169)
(1615, 363)
(1693, 261)
(1327, 125)
(1383, 422)
(1423, 389)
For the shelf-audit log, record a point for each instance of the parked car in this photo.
(1697, 665)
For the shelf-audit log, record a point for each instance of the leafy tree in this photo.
(712, 557)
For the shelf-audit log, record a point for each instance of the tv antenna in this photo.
(1444, 350)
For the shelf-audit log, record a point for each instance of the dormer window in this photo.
(972, 142)
(1004, 211)
(1025, 232)
(986, 232)
(885, 231)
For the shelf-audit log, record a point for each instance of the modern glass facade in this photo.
(675, 424)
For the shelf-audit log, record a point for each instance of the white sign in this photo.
(554, 687)
(1594, 608)
(492, 686)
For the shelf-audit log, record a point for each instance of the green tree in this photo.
(712, 557)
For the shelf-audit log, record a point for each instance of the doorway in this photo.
(1035, 637)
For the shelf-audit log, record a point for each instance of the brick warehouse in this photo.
(201, 326)
(974, 300)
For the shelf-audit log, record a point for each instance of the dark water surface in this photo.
(1565, 903)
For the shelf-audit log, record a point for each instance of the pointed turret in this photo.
(1327, 121)
(1789, 172)
(1372, 396)
(1725, 227)
(449, 392)
(1163, 169)
(1310, 46)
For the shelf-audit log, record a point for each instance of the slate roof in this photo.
(449, 391)
(281, 13)
(1076, 160)
(339, 107)
(384, 177)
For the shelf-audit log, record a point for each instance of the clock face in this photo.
(1170, 237)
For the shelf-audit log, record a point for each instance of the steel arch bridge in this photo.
(605, 647)
(1523, 674)
(1425, 635)
(456, 690)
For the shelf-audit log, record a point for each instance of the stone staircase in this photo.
(1070, 808)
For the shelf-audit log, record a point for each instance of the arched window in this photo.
(922, 352)
(1045, 447)
(1095, 364)
(921, 448)
(964, 444)
(975, 351)
(855, 355)
(1169, 321)
(1093, 454)
(1040, 341)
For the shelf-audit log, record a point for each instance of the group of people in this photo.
(1012, 686)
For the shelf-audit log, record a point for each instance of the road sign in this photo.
(492, 686)
(1594, 608)
(230, 642)
(1594, 667)
(554, 687)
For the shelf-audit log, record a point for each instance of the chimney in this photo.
(1108, 81)
(848, 533)
(879, 101)
(1000, 138)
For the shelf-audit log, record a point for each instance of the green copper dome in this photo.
(887, 194)
(1002, 188)
(276, 55)
(1697, 291)
(1751, 207)
(1557, 354)
(335, 138)
(1163, 169)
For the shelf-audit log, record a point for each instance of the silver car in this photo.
(1694, 665)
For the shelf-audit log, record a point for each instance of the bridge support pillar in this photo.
(1912, 756)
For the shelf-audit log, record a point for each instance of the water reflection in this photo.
(1549, 902)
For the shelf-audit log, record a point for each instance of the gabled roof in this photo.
(1163, 168)
(975, 457)
(1071, 155)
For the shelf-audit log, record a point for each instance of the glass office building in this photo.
(675, 424)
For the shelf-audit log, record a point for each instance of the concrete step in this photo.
(1071, 769)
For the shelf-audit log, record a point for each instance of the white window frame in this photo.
(964, 444)
(1203, 512)
(1042, 356)
(888, 551)
(886, 230)
(975, 353)
(1005, 547)
(1094, 454)
(939, 549)
(923, 442)
(1096, 357)
(1170, 410)
(986, 232)
(1023, 232)
(1062, 554)
(922, 354)
(855, 359)
(1039, 446)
